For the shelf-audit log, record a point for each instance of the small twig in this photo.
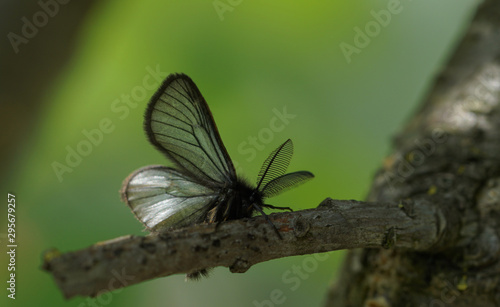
(239, 244)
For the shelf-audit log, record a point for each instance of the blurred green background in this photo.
(249, 59)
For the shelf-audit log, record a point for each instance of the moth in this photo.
(204, 187)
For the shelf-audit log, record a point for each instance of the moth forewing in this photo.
(213, 162)
(180, 125)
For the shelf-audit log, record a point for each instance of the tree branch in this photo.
(239, 244)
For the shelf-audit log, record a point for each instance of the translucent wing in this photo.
(285, 182)
(162, 197)
(179, 123)
(276, 163)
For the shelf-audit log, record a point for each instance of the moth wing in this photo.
(162, 198)
(179, 123)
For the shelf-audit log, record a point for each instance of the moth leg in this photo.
(195, 276)
(222, 211)
(278, 208)
(216, 213)
(267, 219)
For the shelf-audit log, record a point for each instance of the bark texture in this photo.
(448, 156)
(239, 244)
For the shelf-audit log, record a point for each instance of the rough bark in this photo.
(461, 170)
(242, 243)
